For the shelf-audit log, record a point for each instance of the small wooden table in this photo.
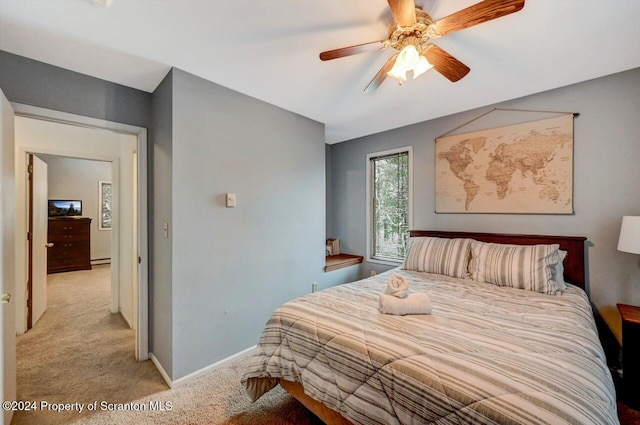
(630, 354)
(335, 262)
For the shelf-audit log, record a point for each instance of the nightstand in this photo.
(630, 354)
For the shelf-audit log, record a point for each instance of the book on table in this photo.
(333, 246)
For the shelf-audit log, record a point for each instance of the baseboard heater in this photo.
(99, 261)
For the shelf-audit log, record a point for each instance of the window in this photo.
(388, 205)
(105, 199)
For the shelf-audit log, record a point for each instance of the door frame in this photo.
(29, 293)
(142, 306)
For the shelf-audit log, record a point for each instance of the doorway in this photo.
(49, 132)
(70, 217)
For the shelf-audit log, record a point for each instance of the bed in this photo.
(486, 354)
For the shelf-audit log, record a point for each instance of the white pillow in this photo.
(449, 257)
(559, 270)
(529, 267)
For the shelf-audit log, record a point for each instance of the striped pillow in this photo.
(530, 267)
(449, 257)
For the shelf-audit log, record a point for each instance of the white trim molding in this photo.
(200, 372)
(158, 366)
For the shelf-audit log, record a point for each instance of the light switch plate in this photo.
(231, 200)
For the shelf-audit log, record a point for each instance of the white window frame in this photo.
(369, 220)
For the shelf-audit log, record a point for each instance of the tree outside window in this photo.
(389, 205)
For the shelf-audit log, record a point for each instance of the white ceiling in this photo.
(269, 50)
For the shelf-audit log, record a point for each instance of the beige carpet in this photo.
(81, 353)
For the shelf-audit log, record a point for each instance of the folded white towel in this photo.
(397, 286)
(419, 303)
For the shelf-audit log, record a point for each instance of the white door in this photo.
(7, 259)
(40, 223)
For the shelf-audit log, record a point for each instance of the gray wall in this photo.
(606, 183)
(160, 201)
(36, 83)
(233, 266)
(71, 178)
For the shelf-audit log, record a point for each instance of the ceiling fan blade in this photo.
(444, 63)
(381, 75)
(477, 14)
(352, 50)
(403, 11)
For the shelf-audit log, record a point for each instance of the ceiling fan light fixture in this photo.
(409, 60)
(398, 73)
(410, 32)
(408, 57)
(421, 67)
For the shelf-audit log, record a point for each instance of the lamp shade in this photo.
(421, 67)
(630, 235)
(398, 73)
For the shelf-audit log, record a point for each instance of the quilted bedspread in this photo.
(486, 355)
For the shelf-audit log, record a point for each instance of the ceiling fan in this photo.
(410, 34)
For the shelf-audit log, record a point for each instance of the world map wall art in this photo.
(525, 168)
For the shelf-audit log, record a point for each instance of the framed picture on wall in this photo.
(524, 168)
(104, 204)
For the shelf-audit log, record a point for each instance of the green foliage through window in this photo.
(390, 206)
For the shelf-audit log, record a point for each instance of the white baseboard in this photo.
(158, 366)
(198, 373)
(126, 319)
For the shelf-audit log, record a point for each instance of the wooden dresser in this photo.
(71, 239)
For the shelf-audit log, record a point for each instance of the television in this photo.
(65, 208)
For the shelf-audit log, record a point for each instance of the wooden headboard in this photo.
(574, 245)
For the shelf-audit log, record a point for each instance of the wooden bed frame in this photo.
(574, 272)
